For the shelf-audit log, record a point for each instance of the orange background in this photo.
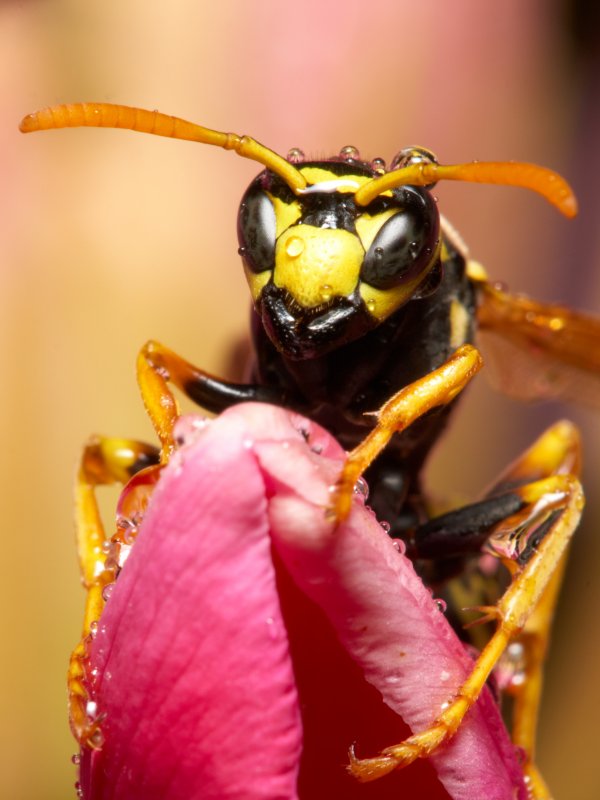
(109, 238)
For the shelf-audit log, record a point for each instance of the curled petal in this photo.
(248, 643)
(195, 676)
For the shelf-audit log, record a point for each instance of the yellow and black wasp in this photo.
(364, 299)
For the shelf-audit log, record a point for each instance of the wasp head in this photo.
(322, 269)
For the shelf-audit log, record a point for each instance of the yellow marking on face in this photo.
(459, 323)
(381, 303)
(315, 264)
(368, 226)
(286, 214)
(321, 175)
(257, 281)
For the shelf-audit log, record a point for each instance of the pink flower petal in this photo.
(194, 647)
(388, 621)
(197, 682)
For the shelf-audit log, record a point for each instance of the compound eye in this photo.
(406, 245)
(257, 230)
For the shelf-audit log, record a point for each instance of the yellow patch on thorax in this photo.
(459, 323)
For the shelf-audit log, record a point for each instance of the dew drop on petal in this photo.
(400, 546)
(189, 427)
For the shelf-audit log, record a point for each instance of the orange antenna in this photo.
(108, 115)
(510, 173)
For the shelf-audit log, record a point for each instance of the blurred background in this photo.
(109, 238)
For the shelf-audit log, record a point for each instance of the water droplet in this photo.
(385, 525)
(512, 667)
(188, 428)
(378, 252)
(294, 246)
(91, 709)
(412, 155)
(112, 562)
(135, 497)
(107, 591)
(76, 759)
(96, 740)
(93, 628)
(371, 305)
(361, 488)
(441, 604)
(378, 166)
(349, 153)
(413, 249)
(325, 293)
(444, 675)
(295, 155)
(400, 545)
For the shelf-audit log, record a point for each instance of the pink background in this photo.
(109, 238)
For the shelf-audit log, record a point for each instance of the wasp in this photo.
(366, 309)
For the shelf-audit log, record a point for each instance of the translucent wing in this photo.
(535, 351)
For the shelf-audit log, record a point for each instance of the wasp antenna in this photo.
(109, 115)
(544, 181)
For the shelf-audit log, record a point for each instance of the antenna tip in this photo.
(569, 206)
(29, 123)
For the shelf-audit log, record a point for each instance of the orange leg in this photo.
(438, 388)
(157, 367)
(104, 461)
(532, 544)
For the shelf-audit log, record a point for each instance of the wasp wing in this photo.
(537, 351)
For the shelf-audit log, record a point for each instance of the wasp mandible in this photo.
(366, 307)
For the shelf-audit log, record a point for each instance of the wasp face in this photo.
(323, 270)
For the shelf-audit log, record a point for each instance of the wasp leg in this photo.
(104, 461)
(531, 542)
(557, 451)
(438, 388)
(157, 366)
